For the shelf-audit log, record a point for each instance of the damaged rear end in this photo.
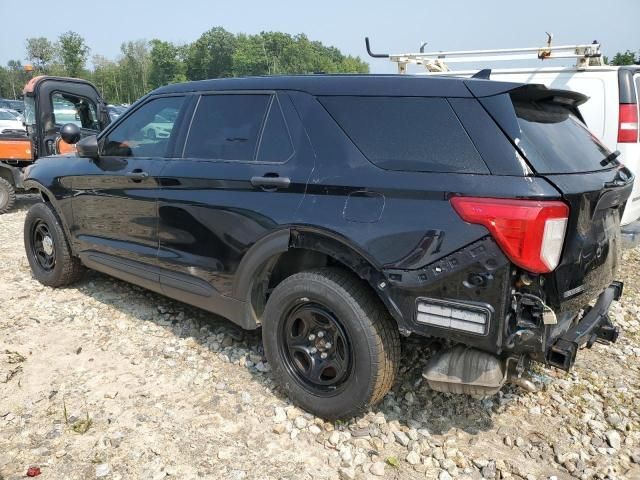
(563, 251)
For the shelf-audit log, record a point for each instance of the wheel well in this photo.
(297, 260)
(45, 197)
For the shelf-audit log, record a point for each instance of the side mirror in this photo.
(70, 133)
(88, 147)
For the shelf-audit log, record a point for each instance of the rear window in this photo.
(554, 140)
(407, 133)
(227, 127)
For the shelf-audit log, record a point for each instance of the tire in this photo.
(60, 267)
(361, 362)
(7, 196)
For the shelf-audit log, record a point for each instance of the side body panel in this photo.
(404, 224)
(210, 213)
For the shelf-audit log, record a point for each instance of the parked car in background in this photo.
(17, 105)
(10, 121)
(15, 113)
(339, 213)
(115, 111)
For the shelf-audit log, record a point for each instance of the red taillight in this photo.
(628, 123)
(529, 232)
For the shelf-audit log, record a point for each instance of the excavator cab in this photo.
(58, 113)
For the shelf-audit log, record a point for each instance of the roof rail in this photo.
(586, 55)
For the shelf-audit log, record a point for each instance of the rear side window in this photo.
(275, 145)
(555, 141)
(227, 127)
(407, 133)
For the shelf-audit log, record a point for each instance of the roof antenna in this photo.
(422, 45)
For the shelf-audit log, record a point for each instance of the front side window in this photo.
(74, 109)
(227, 127)
(147, 131)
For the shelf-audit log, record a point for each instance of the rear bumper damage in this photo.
(594, 326)
(463, 369)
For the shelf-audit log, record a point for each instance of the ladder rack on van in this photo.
(586, 55)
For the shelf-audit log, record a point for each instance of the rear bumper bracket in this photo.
(594, 326)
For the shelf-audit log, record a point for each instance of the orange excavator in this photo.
(51, 103)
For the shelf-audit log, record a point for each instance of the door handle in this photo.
(271, 182)
(137, 174)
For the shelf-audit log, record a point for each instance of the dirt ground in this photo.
(106, 380)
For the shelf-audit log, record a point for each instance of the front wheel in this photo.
(47, 249)
(7, 196)
(330, 342)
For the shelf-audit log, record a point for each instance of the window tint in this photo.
(227, 127)
(73, 109)
(402, 133)
(147, 131)
(555, 141)
(275, 145)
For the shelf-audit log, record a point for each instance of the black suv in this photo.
(339, 213)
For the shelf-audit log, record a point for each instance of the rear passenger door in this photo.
(242, 175)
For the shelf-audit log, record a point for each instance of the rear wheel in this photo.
(330, 342)
(47, 249)
(7, 196)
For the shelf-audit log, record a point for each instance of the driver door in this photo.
(115, 221)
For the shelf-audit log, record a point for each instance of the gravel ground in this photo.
(107, 380)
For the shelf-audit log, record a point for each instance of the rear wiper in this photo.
(609, 158)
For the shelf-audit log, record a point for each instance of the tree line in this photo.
(144, 65)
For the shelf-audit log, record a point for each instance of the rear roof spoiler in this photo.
(531, 92)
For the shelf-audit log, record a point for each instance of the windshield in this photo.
(556, 141)
(29, 110)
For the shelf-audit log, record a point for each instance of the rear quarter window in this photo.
(406, 133)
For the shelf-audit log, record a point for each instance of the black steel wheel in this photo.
(331, 343)
(42, 247)
(47, 249)
(318, 351)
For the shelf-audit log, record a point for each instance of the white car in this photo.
(8, 121)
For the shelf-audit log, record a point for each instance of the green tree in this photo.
(134, 67)
(107, 76)
(211, 55)
(73, 53)
(166, 64)
(142, 66)
(16, 79)
(40, 52)
(625, 58)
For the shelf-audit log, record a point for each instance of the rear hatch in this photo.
(546, 127)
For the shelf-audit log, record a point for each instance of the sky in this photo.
(392, 26)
